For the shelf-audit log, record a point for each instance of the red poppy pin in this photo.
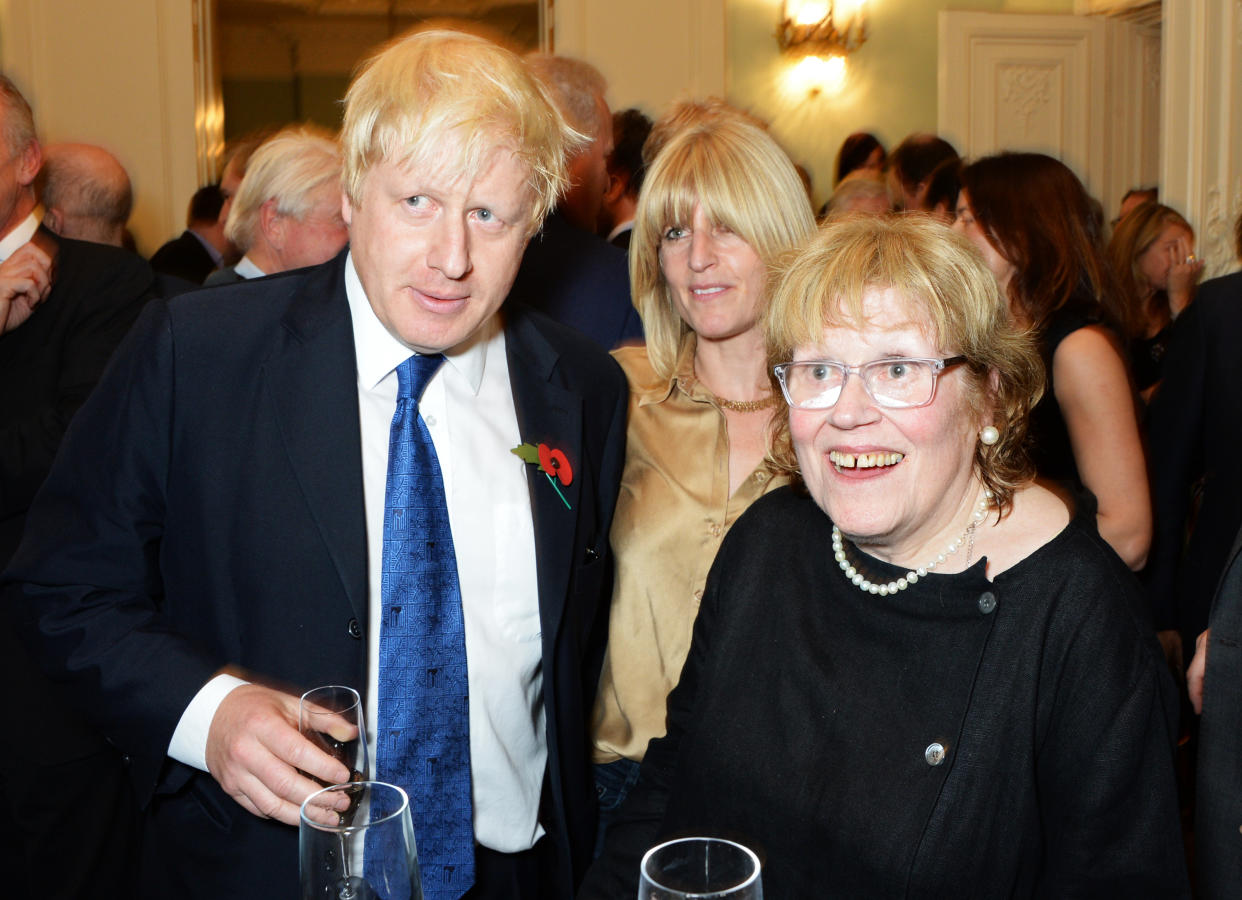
(551, 462)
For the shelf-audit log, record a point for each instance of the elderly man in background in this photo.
(308, 480)
(287, 212)
(86, 193)
(569, 272)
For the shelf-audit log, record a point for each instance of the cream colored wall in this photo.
(890, 87)
(651, 51)
(118, 74)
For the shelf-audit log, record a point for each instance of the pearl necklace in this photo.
(857, 579)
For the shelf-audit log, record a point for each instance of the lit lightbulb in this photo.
(816, 75)
(811, 12)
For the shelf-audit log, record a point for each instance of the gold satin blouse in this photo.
(672, 513)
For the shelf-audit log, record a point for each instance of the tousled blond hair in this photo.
(743, 180)
(438, 87)
(290, 167)
(948, 289)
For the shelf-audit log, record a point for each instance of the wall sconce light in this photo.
(823, 28)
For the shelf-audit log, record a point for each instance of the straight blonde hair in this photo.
(731, 167)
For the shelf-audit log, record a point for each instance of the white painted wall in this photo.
(120, 74)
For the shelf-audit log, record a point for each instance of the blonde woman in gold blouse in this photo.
(720, 204)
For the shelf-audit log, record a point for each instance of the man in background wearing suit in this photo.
(626, 170)
(200, 249)
(569, 272)
(287, 210)
(68, 812)
(224, 526)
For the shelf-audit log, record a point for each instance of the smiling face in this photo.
(437, 249)
(898, 482)
(1154, 262)
(716, 279)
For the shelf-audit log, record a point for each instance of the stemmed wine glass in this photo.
(331, 717)
(700, 867)
(379, 830)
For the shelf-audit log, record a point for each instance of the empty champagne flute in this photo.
(379, 831)
(699, 867)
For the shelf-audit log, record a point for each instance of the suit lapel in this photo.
(312, 379)
(547, 413)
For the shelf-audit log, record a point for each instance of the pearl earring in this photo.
(989, 436)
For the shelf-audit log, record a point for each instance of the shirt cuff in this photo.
(189, 741)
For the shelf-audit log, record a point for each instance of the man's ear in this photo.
(29, 161)
(53, 219)
(617, 185)
(272, 224)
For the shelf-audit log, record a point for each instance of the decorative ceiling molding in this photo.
(1138, 12)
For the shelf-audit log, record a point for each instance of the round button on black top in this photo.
(987, 602)
(355, 630)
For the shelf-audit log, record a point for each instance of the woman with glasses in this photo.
(1034, 223)
(721, 202)
(916, 673)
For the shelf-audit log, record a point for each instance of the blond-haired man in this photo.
(287, 212)
(221, 513)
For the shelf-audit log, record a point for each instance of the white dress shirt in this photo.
(21, 234)
(468, 409)
(247, 269)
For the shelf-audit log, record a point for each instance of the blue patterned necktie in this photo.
(423, 728)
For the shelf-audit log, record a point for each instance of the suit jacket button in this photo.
(355, 630)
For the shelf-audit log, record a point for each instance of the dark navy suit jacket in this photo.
(1194, 429)
(581, 280)
(207, 511)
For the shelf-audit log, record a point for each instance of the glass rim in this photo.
(749, 881)
(332, 687)
(350, 829)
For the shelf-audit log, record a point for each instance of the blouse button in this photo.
(987, 602)
(714, 530)
(761, 477)
(934, 754)
(698, 596)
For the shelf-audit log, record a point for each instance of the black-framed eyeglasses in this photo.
(896, 383)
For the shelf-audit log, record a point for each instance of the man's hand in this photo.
(1194, 675)
(25, 282)
(254, 751)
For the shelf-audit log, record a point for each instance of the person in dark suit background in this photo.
(218, 509)
(626, 170)
(1196, 483)
(1214, 682)
(569, 272)
(200, 249)
(69, 817)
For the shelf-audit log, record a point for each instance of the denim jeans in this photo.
(612, 783)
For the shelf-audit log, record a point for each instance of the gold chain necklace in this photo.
(746, 405)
